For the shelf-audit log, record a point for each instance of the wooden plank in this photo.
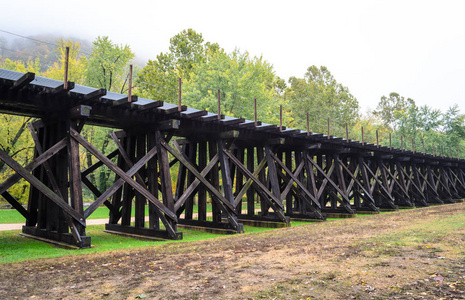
(41, 187)
(182, 159)
(119, 182)
(98, 164)
(140, 201)
(250, 192)
(33, 165)
(122, 174)
(192, 187)
(16, 205)
(165, 180)
(255, 181)
(23, 81)
(202, 193)
(215, 180)
(250, 181)
(152, 182)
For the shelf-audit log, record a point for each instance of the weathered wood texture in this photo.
(225, 169)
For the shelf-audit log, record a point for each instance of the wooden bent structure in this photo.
(229, 171)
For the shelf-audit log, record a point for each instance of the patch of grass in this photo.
(16, 248)
(447, 230)
(8, 216)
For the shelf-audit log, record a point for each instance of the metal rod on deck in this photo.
(390, 142)
(363, 138)
(347, 133)
(219, 105)
(328, 129)
(423, 144)
(280, 117)
(255, 110)
(308, 125)
(65, 80)
(130, 84)
(179, 94)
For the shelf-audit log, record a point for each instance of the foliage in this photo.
(76, 63)
(240, 79)
(391, 107)
(322, 97)
(15, 141)
(108, 65)
(412, 127)
(20, 66)
(158, 80)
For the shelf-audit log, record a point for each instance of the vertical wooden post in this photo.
(250, 191)
(255, 111)
(75, 176)
(65, 80)
(219, 105)
(202, 192)
(377, 139)
(423, 144)
(280, 117)
(347, 133)
(402, 143)
(434, 152)
(458, 153)
(130, 84)
(179, 94)
(308, 126)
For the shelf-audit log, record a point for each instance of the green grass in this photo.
(16, 248)
(8, 216)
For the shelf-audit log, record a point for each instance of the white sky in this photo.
(415, 48)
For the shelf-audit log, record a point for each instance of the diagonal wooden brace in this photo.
(122, 174)
(41, 187)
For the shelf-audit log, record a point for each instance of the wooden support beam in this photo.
(127, 179)
(23, 81)
(16, 205)
(41, 187)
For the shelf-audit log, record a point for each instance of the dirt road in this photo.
(398, 255)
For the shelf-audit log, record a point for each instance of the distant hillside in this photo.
(30, 48)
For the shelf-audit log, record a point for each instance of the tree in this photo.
(390, 108)
(320, 95)
(108, 65)
(76, 63)
(19, 66)
(158, 80)
(240, 79)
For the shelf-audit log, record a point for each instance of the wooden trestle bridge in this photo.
(253, 172)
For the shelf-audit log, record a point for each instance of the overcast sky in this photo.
(415, 48)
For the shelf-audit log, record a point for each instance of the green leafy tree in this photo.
(320, 95)
(76, 63)
(108, 65)
(391, 107)
(158, 80)
(240, 79)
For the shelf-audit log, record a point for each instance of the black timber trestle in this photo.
(177, 167)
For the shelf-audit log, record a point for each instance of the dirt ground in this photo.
(344, 259)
